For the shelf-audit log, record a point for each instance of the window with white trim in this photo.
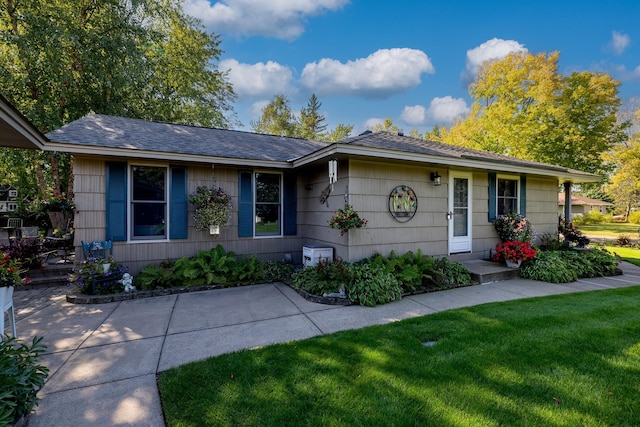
(507, 195)
(148, 202)
(268, 204)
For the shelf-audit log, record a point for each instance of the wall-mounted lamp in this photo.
(333, 171)
(436, 179)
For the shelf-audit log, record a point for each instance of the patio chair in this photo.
(13, 228)
(96, 249)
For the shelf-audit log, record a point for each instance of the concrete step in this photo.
(49, 275)
(483, 271)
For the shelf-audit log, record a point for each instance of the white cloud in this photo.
(619, 42)
(414, 115)
(490, 50)
(258, 80)
(444, 110)
(270, 18)
(381, 74)
(369, 124)
(255, 111)
(440, 111)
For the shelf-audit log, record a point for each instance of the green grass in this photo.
(631, 255)
(610, 230)
(556, 361)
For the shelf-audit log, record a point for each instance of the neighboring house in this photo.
(582, 205)
(115, 159)
(8, 199)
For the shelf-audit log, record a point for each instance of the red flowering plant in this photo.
(9, 271)
(345, 219)
(514, 251)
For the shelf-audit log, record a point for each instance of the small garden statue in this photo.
(127, 281)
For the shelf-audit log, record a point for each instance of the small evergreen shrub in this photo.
(21, 377)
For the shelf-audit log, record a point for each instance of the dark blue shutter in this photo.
(523, 195)
(290, 205)
(178, 205)
(245, 204)
(493, 199)
(116, 213)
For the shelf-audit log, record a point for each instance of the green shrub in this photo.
(594, 216)
(21, 377)
(413, 271)
(324, 278)
(634, 217)
(372, 284)
(157, 277)
(549, 266)
(216, 266)
(450, 274)
(608, 219)
(277, 271)
(578, 220)
(569, 265)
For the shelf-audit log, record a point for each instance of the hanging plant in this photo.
(345, 219)
(213, 206)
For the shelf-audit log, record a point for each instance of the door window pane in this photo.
(460, 207)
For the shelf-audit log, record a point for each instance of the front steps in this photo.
(483, 271)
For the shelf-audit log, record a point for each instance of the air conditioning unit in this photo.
(312, 254)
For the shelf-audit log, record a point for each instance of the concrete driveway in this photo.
(103, 359)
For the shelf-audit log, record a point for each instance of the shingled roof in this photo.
(399, 142)
(97, 134)
(102, 131)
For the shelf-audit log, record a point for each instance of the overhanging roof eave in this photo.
(89, 150)
(562, 174)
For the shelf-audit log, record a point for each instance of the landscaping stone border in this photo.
(124, 296)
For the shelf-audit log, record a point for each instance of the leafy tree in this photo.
(387, 125)
(341, 132)
(62, 59)
(278, 119)
(525, 108)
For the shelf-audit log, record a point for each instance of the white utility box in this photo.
(313, 253)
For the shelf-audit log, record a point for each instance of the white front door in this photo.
(460, 211)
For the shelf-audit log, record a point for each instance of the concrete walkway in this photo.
(103, 359)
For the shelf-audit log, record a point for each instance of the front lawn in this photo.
(610, 230)
(562, 360)
(631, 255)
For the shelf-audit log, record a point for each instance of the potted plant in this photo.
(513, 252)
(513, 226)
(9, 278)
(345, 219)
(212, 208)
(98, 276)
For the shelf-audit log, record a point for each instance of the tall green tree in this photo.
(278, 119)
(61, 59)
(525, 108)
(312, 124)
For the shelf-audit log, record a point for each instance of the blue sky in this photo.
(410, 61)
